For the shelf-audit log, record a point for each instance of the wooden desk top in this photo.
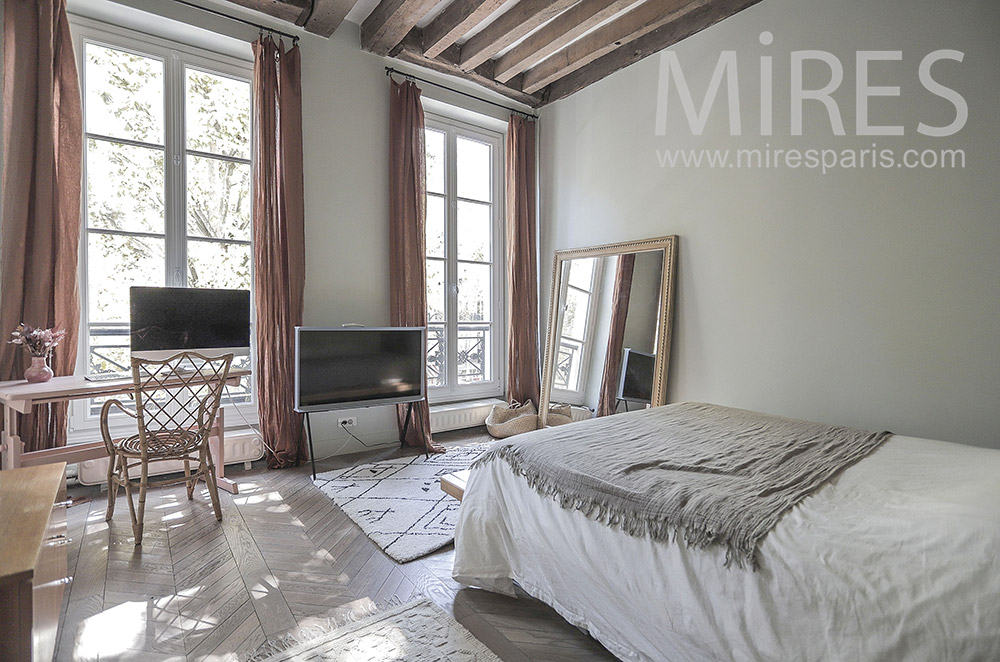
(26, 498)
(21, 395)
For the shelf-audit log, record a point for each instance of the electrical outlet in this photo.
(348, 422)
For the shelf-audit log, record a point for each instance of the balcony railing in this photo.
(109, 351)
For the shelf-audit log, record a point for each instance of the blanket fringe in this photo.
(693, 534)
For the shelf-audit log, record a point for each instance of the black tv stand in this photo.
(402, 437)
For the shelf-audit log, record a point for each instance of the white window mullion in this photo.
(451, 251)
(175, 163)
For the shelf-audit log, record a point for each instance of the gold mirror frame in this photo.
(664, 318)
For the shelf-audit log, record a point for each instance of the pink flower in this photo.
(38, 342)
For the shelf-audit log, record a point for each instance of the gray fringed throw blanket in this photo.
(709, 474)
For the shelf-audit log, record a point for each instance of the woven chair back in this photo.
(178, 394)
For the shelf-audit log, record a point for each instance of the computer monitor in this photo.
(168, 320)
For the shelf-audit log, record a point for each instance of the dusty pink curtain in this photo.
(522, 263)
(607, 403)
(407, 239)
(42, 169)
(279, 244)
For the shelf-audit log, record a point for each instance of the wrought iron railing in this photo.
(567, 365)
(472, 354)
(109, 351)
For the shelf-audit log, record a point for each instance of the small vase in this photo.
(39, 371)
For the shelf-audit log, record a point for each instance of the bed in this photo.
(897, 557)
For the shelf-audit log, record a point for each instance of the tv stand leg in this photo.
(309, 436)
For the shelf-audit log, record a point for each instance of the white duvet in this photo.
(898, 558)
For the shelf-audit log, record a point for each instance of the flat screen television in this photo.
(167, 320)
(349, 367)
(636, 383)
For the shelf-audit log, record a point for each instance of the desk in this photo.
(20, 396)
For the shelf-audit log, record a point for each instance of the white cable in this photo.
(260, 437)
(250, 425)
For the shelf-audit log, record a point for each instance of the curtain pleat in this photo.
(42, 170)
(608, 402)
(522, 263)
(279, 245)
(407, 240)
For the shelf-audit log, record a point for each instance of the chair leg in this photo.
(127, 483)
(190, 483)
(112, 487)
(213, 489)
(143, 484)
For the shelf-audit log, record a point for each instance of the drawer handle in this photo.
(56, 582)
(63, 504)
(57, 541)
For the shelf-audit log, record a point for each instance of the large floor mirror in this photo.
(608, 343)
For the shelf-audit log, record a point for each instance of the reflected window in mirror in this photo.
(579, 296)
(464, 257)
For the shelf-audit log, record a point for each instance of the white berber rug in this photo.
(416, 632)
(398, 503)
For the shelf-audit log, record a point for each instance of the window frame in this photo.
(177, 58)
(453, 128)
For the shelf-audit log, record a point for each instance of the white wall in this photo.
(859, 297)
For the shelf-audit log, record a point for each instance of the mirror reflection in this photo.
(604, 336)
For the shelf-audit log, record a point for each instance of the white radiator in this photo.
(239, 449)
(461, 415)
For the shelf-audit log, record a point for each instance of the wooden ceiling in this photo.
(532, 51)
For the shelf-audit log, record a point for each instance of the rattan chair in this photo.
(176, 401)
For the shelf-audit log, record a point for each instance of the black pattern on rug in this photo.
(398, 503)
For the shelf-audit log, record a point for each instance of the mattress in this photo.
(897, 558)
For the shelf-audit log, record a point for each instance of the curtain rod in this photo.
(262, 28)
(389, 71)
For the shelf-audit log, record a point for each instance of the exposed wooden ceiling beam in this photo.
(454, 22)
(390, 22)
(628, 27)
(663, 37)
(548, 39)
(510, 26)
(448, 63)
(285, 10)
(326, 16)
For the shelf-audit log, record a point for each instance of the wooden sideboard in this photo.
(33, 566)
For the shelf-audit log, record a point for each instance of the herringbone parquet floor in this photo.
(283, 558)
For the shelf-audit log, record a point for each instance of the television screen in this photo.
(182, 318)
(637, 377)
(358, 367)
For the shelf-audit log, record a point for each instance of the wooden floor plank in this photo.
(284, 558)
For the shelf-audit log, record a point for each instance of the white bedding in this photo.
(898, 558)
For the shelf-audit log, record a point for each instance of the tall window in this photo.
(580, 285)
(166, 179)
(464, 257)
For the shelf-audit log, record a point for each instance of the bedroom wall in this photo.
(863, 297)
